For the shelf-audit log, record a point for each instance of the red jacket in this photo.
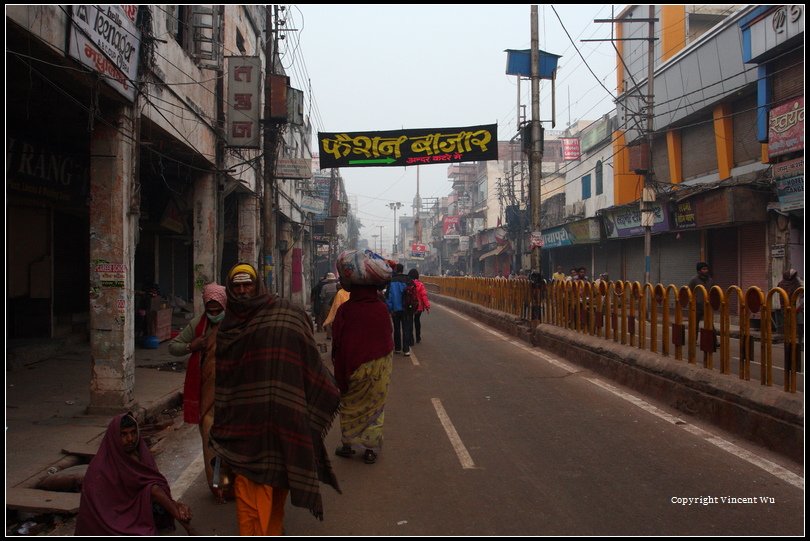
(421, 294)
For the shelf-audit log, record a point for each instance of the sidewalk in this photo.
(47, 394)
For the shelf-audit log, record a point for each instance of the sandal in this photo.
(345, 451)
(370, 457)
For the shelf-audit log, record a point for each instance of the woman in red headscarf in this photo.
(200, 339)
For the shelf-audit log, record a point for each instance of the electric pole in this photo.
(536, 155)
(646, 205)
(648, 194)
(395, 206)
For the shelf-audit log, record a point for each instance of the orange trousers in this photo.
(259, 508)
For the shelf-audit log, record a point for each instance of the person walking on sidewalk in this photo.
(275, 400)
(341, 296)
(423, 306)
(362, 354)
(123, 492)
(199, 338)
(702, 278)
(402, 317)
(328, 293)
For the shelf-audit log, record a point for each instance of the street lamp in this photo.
(395, 206)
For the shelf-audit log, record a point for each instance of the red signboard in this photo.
(570, 149)
(451, 226)
(786, 128)
(418, 249)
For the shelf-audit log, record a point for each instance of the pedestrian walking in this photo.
(341, 296)
(401, 315)
(123, 492)
(423, 303)
(362, 354)
(702, 278)
(327, 295)
(558, 276)
(315, 301)
(275, 401)
(199, 339)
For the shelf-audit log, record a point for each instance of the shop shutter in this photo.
(746, 146)
(573, 256)
(677, 257)
(634, 259)
(753, 256)
(71, 253)
(661, 159)
(698, 148)
(788, 78)
(723, 259)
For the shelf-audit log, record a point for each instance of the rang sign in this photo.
(408, 147)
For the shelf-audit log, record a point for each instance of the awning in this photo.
(497, 251)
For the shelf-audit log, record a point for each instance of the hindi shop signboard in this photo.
(408, 147)
(106, 40)
(789, 178)
(244, 78)
(627, 222)
(786, 128)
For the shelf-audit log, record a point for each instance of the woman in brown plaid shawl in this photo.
(275, 402)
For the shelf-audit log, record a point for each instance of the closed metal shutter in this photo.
(746, 146)
(677, 257)
(788, 78)
(573, 256)
(753, 256)
(608, 258)
(634, 259)
(698, 148)
(71, 259)
(723, 259)
(661, 159)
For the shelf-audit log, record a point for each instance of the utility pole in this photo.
(536, 155)
(268, 222)
(381, 241)
(648, 193)
(646, 206)
(395, 206)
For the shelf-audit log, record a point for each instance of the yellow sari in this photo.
(362, 407)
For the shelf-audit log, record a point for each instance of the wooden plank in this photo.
(42, 501)
(82, 449)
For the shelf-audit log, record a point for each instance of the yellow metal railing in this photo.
(649, 317)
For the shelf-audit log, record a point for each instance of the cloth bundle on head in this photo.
(215, 292)
(363, 268)
(330, 276)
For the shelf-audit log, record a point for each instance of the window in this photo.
(586, 187)
(240, 42)
(598, 172)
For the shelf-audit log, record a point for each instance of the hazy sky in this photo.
(368, 68)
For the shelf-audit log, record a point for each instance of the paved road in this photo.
(486, 436)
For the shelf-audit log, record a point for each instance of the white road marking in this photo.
(767, 465)
(188, 476)
(455, 440)
(774, 469)
(414, 360)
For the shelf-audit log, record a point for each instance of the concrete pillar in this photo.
(249, 235)
(113, 222)
(205, 235)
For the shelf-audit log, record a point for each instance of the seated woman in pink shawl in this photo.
(123, 492)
